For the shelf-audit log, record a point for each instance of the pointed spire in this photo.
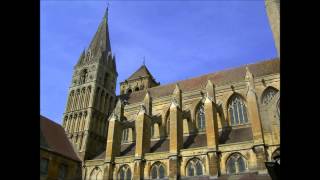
(82, 56)
(106, 12)
(250, 80)
(147, 103)
(176, 96)
(147, 96)
(142, 109)
(118, 110)
(101, 42)
(144, 61)
(176, 89)
(210, 88)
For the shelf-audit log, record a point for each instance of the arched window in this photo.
(201, 122)
(157, 171)
(105, 81)
(236, 164)
(124, 173)
(83, 76)
(96, 174)
(62, 172)
(129, 91)
(136, 89)
(44, 166)
(237, 111)
(268, 95)
(194, 168)
(161, 172)
(152, 130)
(125, 133)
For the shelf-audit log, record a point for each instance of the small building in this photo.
(58, 160)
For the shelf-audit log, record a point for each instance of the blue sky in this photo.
(179, 39)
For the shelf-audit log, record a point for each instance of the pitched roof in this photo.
(141, 72)
(218, 78)
(53, 138)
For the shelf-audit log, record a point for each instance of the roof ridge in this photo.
(139, 70)
(44, 117)
(219, 71)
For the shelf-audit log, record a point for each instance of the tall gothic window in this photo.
(62, 172)
(83, 76)
(44, 166)
(124, 173)
(125, 133)
(105, 81)
(268, 95)
(157, 171)
(236, 164)
(194, 168)
(152, 130)
(237, 111)
(201, 118)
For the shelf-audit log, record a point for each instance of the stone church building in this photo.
(222, 124)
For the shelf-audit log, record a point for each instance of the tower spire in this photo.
(101, 41)
(106, 12)
(144, 61)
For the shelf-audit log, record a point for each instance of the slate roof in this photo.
(218, 78)
(127, 149)
(53, 138)
(192, 141)
(101, 156)
(141, 72)
(235, 135)
(161, 145)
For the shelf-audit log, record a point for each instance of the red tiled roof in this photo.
(218, 78)
(55, 139)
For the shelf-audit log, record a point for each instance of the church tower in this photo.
(92, 95)
(140, 80)
(273, 12)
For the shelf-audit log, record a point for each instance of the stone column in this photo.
(254, 117)
(147, 103)
(211, 130)
(213, 164)
(143, 136)
(113, 138)
(174, 170)
(176, 134)
(260, 152)
(253, 109)
(113, 145)
(138, 169)
(108, 171)
(82, 150)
